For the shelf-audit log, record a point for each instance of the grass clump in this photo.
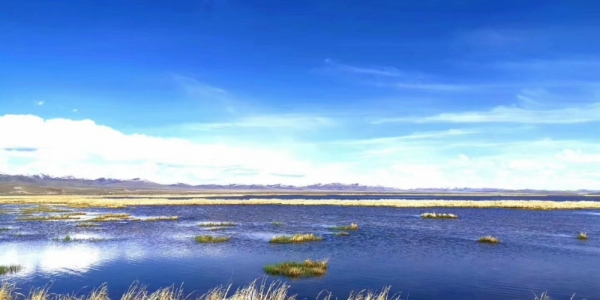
(217, 224)
(86, 225)
(10, 269)
(438, 216)
(342, 233)
(42, 209)
(296, 238)
(211, 239)
(582, 236)
(111, 218)
(67, 238)
(307, 268)
(489, 240)
(51, 218)
(277, 223)
(4, 229)
(352, 226)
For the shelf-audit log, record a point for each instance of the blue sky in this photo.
(398, 93)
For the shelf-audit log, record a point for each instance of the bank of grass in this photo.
(4, 229)
(438, 216)
(211, 239)
(582, 236)
(217, 224)
(296, 238)
(157, 219)
(307, 268)
(212, 199)
(352, 226)
(10, 269)
(111, 218)
(42, 209)
(87, 225)
(489, 240)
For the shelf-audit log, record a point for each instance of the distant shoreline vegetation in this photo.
(180, 200)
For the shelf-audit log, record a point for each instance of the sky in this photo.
(407, 94)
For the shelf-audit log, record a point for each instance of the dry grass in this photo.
(156, 219)
(42, 209)
(438, 216)
(307, 268)
(211, 239)
(86, 225)
(161, 200)
(489, 240)
(217, 224)
(352, 226)
(582, 236)
(10, 269)
(296, 238)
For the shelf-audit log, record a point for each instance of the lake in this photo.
(420, 258)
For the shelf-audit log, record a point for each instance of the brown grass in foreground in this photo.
(96, 201)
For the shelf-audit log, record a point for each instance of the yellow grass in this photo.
(98, 201)
(582, 236)
(111, 218)
(50, 218)
(307, 268)
(296, 238)
(489, 240)
(211, 239)
(352, 226)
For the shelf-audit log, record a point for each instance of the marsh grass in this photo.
(582, 236)
(342, 233)
(489, 240)
(217, 228)
(211, 239)
(307, 268)
(87, 225)
(296, 238)
(111, 218)
(156, 219)
(4, 229)
(67, 239)
(42, 209)
(217, 224)
(10, 269)
(438, 216)
(51, 218)
(352, 226)
(277, 223)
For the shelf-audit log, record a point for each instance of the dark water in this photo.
(423, 259)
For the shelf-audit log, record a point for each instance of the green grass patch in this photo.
(10, 269)
(4, 229)
(296, 238)
(307, 268)
(352, 226)
(211, 239)
(277, 223)
(438, 216)
(489, 240)
(582, 236)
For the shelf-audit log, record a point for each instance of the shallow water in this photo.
(422, 258)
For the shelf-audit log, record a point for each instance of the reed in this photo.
(202, 199)
(352, 226)
(10, 269)
(489, 240)
(438, 216)
(217, 224)
(307, 268)
(211, 239)
(296, 238)
(582, 236)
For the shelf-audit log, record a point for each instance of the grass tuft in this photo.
(211, 239)
(342, 233)
(296, 238)
(277, 223)
(352, 226)
(438, 216)
(307, 268)
(10, 269)
(489, 240)
(4, 229)
(582, 236)
(217, 224)
(111, 218)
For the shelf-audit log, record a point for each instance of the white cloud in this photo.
(447, 158)
(292, 121)
(40, 103)
(379, 71)
(504, 114)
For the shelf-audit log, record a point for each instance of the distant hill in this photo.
(44, 184)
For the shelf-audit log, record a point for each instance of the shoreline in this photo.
(207, 200)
